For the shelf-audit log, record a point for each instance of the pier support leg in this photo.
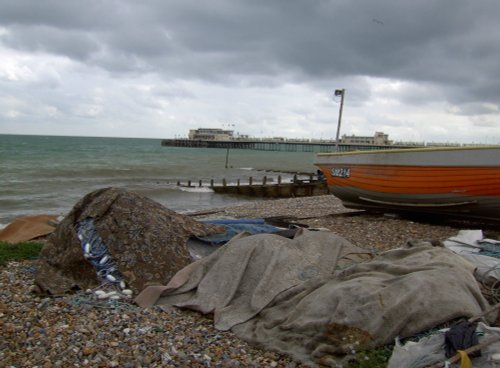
(227, 156)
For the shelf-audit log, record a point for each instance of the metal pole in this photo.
(340, 92)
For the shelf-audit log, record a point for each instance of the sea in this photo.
(49, 174)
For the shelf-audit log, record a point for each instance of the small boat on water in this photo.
(457, 181)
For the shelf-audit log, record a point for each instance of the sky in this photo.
(421, 71)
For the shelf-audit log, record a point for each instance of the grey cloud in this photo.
(447, 50)
(64, 15)
(475, 109)
(75, 45)
(425, 40)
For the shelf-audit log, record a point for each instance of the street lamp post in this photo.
(339, 92)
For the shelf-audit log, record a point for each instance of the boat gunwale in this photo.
(400, 150)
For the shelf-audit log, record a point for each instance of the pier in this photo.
(285, 145)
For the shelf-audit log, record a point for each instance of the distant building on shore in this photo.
(379, 139)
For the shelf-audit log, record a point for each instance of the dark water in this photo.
(42, 174)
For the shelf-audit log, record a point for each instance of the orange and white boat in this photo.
(458, 181)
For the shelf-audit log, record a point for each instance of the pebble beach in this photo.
(81, 330)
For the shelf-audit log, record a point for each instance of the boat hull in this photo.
(461, 182)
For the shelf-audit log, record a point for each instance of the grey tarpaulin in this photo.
(243, 276)
(285, 294)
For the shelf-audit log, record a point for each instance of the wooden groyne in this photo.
(266, 188)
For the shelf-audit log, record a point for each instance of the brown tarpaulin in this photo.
(28, 228)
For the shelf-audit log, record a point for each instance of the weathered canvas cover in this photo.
(147, 241)
(27, 228)
(289, 295)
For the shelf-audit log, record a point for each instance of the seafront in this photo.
(63, 330)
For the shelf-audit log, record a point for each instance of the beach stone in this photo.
(89, 350)
(147, 241)
(172, 348)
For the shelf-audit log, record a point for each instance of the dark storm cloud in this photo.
(451, 44)
(63, 15)
(39, 38)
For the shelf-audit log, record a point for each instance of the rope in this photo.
(103, 304)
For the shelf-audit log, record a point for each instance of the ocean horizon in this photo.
(49, 174)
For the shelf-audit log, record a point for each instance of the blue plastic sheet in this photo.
(234, 227)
